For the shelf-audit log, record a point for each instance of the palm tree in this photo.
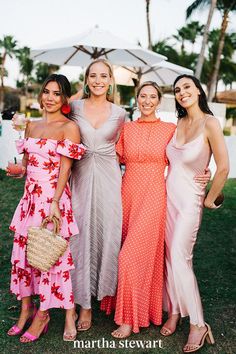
(43, 70)
(173, 55)
(196, 4)
(162, 47)
(148, 24)
(226, 7)
(182, 36)
(194, 29)
(26, 66)
(8, 44)
(227, 65)
(190, 32)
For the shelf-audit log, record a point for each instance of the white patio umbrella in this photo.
(96, 43)
(164, 74)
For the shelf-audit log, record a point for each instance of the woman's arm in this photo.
(26, 155)
(72, 133)
(217, 143)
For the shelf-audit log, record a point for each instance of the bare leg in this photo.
(85, 319)
(195, 337)
(123, 331)
(170, 325)
(38, 326)
(70, 328)
(27, 310)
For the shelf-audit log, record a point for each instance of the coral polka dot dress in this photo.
(142, 148)
(54, 287)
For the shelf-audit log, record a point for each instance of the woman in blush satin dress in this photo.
(197, 136)
(96, 192)
(49, 147)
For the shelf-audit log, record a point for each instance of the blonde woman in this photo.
(96, 191)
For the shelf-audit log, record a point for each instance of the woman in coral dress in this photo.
(197, 136)
(141, 148)
(49, 147)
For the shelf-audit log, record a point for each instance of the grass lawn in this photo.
(214, 265)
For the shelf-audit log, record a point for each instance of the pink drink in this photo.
(15, 168)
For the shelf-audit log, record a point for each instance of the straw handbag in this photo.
(44, 247)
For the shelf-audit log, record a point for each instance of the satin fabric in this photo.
(184, 212)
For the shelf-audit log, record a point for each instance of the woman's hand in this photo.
(14, 119)
(8, 173)
(55, 210)
(210, 205)
(203, 179)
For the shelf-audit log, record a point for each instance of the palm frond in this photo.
(197, 4)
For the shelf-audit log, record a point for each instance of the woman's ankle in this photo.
(173, 317)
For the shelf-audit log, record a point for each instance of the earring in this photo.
(86, 90)
(110, 90)
(65, 108)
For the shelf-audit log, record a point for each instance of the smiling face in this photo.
(99, 79)
(51, 98)
(186, 92)
(148, 100)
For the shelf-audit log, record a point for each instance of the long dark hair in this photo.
(64, 86)
(202, 101)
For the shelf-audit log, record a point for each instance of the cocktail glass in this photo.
(15, 168)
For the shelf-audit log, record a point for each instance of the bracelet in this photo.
(55, 200)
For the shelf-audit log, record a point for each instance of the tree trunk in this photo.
(2, 82)
(148, 25)
(201, 57)
(216, 67)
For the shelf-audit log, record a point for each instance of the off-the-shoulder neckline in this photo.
(29, 137)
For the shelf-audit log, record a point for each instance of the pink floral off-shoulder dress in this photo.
(53, 287)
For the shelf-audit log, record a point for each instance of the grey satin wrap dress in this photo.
(96, 199)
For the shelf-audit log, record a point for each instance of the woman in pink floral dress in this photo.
(49, 147)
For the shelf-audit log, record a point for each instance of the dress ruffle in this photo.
(54, 287)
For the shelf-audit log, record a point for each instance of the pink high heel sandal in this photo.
(15, 330)
(30, 337)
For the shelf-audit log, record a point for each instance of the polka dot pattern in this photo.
(141, 148)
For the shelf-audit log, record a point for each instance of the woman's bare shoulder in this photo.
(212, 122)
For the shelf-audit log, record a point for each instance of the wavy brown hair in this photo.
(150, 83)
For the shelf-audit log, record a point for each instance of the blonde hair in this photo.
(110, 96)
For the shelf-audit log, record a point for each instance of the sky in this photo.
(34, 23)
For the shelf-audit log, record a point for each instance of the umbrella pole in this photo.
(137, 82)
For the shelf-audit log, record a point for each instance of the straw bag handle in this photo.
(56, 224)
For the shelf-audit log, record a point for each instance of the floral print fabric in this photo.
(54, 287)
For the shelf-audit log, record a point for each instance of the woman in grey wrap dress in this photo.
(96, 192)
